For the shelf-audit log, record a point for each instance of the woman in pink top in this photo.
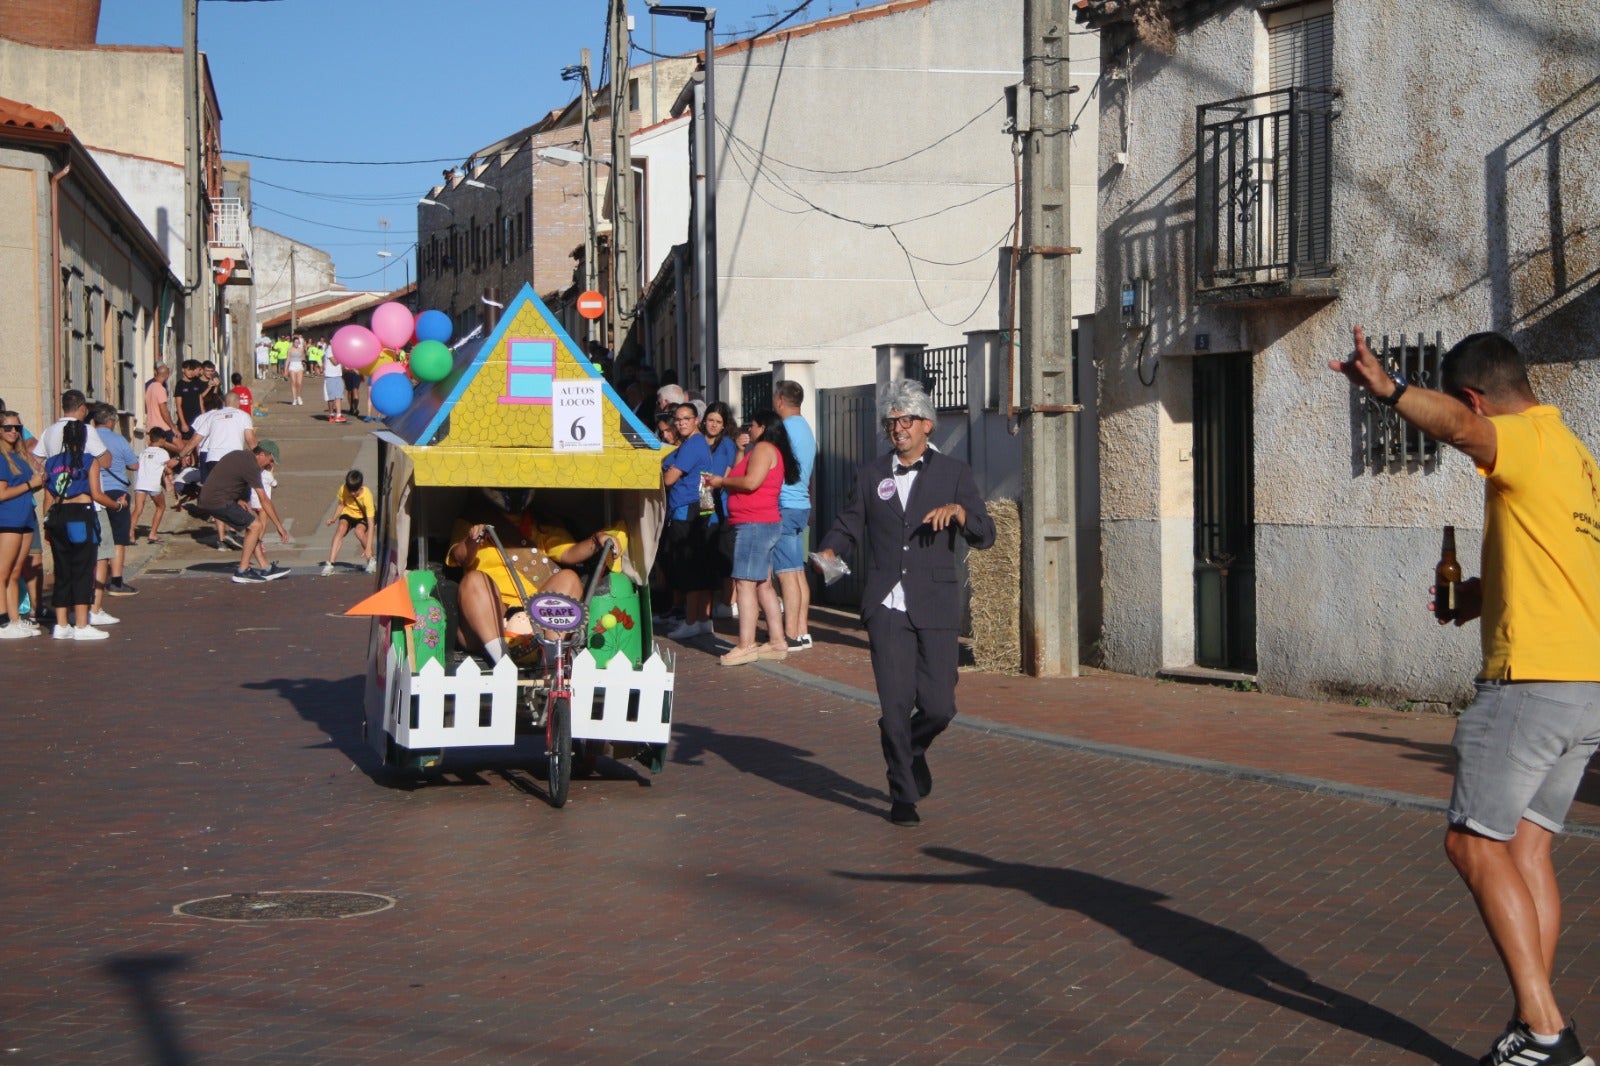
(752, 487)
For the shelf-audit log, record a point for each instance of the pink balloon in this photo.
(355, 346)
(386, 369)
(393, 323)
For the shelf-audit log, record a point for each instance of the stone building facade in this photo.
(1270, 175)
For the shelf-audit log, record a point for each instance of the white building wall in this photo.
(819, 125)
(1463, 200)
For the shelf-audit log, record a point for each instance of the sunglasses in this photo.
(16, 427)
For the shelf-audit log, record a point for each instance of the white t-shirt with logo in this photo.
(152, 463)
(224, 431)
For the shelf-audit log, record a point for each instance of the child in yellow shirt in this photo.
(354, 516)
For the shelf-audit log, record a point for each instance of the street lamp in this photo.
(707, 121)
(474, 183)
(434, 203)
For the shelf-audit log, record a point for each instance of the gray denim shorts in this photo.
(1521, 749)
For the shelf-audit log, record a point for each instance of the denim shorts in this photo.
(752, 550)
(1521, 749)
(790, 553)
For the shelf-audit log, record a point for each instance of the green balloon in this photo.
(431, 361)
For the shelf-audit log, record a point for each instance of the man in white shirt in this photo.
(74, 408)
(226, 429)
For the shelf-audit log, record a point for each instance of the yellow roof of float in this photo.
(523, 408)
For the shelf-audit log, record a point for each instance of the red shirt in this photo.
(760, 505)
(245, 399)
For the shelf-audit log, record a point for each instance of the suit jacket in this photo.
(901, 547)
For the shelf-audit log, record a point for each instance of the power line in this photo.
(351, 198)
(368, 274)
(781, 21)
(340, 162)
(314, 222)
(728, 134)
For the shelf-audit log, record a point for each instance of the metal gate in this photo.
(847, 436)
(1224, 513)
(755, 395)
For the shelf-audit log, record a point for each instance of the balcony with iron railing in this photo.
(1263, 197)
(230, 239)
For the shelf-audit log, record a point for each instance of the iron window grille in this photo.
(755, 394)
(1389, 442)
(943, 373)
(1263, 183)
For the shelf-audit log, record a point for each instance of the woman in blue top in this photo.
(18, 482)
(72, 481)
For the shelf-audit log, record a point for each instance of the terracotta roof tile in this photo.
(28, 117)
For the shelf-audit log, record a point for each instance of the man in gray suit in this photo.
(905, 509)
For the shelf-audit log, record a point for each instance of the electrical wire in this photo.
(728, 134)
(258, 205)
(368, 274)
(344, 162)
(350, 198)
(762, 33)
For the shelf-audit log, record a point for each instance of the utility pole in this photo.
(294, 300)
(194, 304)
(591, 269)
(1049, 413)
(624, 257)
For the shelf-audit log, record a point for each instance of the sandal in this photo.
(153, 539)
(741, 656)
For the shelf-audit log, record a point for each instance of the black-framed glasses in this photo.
(902, 421)
(12, 425)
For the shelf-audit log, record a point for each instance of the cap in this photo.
(270, 447)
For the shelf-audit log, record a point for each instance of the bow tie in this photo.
(912, 469)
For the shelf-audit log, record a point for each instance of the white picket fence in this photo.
(431, 692)
(601, 702)
(647, 691)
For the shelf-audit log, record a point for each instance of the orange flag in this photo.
(393, 600)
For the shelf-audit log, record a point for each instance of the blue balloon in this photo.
(433, 326)
(391, 394)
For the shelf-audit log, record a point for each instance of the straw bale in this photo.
(995, 579)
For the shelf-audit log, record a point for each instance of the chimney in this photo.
(52, 23)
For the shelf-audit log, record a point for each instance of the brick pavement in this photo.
(749, 904)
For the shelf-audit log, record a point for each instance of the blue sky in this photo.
(383, 80)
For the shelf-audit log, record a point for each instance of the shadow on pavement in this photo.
(141, 973)
(779, 763)
(334, 707)
(1212, 953)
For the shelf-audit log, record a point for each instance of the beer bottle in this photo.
(1447, 579)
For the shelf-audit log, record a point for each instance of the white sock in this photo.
(1545, 1041)
(495, 649)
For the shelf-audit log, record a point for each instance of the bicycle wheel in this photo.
(558, 733)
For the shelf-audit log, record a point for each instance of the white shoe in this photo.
(62, 632)
(372, 566)
(89, 633)
(688, 630)
(724, 610)
(15, 631)
(327, 569)
(100, 618)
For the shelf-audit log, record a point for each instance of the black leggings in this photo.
(74, 563)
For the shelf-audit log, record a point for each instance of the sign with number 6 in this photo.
(575, 407)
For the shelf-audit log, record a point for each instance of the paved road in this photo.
(748, 905)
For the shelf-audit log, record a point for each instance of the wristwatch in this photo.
(1393, 398)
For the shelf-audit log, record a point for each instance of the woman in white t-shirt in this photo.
(297, 368)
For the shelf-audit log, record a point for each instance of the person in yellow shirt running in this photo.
(542, 552)
(354, 516)
(1522, 745)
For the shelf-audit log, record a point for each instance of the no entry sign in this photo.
(591, 304)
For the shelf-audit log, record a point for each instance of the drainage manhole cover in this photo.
(284, 906)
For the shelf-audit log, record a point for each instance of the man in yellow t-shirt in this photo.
(1523, 744)
(542, 554)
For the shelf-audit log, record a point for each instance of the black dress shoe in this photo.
(904, 814)
(921, 775)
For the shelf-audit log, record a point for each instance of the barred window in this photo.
(1390, 444)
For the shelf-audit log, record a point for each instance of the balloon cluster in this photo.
(380, 353)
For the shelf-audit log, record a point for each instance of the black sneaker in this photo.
(249, 577)
(121, 588)
(273, 572)
(1518, 1048)
(800, 643)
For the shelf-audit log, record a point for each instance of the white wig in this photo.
(907, 397)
